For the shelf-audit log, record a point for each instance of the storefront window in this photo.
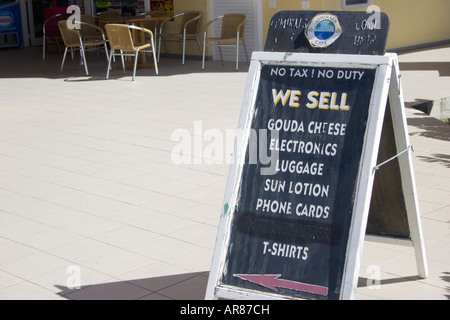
(125, 7)
(162, 5)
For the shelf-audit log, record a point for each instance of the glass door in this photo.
(37, 11)
(36, 19)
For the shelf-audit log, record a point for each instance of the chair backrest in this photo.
(232, 23)
(192, 27)
(71, 37)
(50, 25)
(119, 36)
(88, 27)
(87, 18)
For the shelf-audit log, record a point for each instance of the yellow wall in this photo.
(413, 22)
(183, 6)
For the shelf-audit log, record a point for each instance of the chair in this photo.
(120, 38)
(51, 32)
(86, 29)
(74, 40)
(233, 29)
(87, 18)
(188, 31)
(153, 25)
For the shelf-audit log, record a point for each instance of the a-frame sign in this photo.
(312, 132)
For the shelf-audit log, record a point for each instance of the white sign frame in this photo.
(387, 68)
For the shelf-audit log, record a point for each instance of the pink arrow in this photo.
(271, 281)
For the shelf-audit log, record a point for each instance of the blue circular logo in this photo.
(324, 30)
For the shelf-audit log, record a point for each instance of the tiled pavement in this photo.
(88, 187)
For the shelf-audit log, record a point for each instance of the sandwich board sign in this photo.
(299, 191)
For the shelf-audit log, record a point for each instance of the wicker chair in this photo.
(188, 31)
(73, 39)
(233, 29)
(120, 38)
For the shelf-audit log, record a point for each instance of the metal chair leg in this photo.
(43, 47)
(204, 52)
(109, 63)
(159, 47)
(83, 55)
(64, 59)
(106, 52)
(198, 44)
(237, 52)
(184, 46)
(123, 62)
(221, 56)
(154, 57)
(135, 63)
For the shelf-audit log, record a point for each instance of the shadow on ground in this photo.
(429, 127)
(442, 67)
(189, 286)
(31, 65)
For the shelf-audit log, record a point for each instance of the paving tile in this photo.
(441, 213)
(109, 291)
(197, 259)
(61, 217)
(23, 228)
(170, 204)
(434, 229)
(164, 224)
(156, 276)
(389, 287)
(201, 213)
(12, 250)
(202, 235)
(191, 289)
(125, 236)
(31, 266)
(80, 251)
(35, 188)
(7, 218)
(427, 292)
(155, 296)
(91, 226)
(162, 247)
(7, 280)
(11, 200)
(117, 262)
(26, 291)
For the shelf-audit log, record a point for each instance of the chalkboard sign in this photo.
(299, 215)
(360, 32)
(312, 129)
(292, 201)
